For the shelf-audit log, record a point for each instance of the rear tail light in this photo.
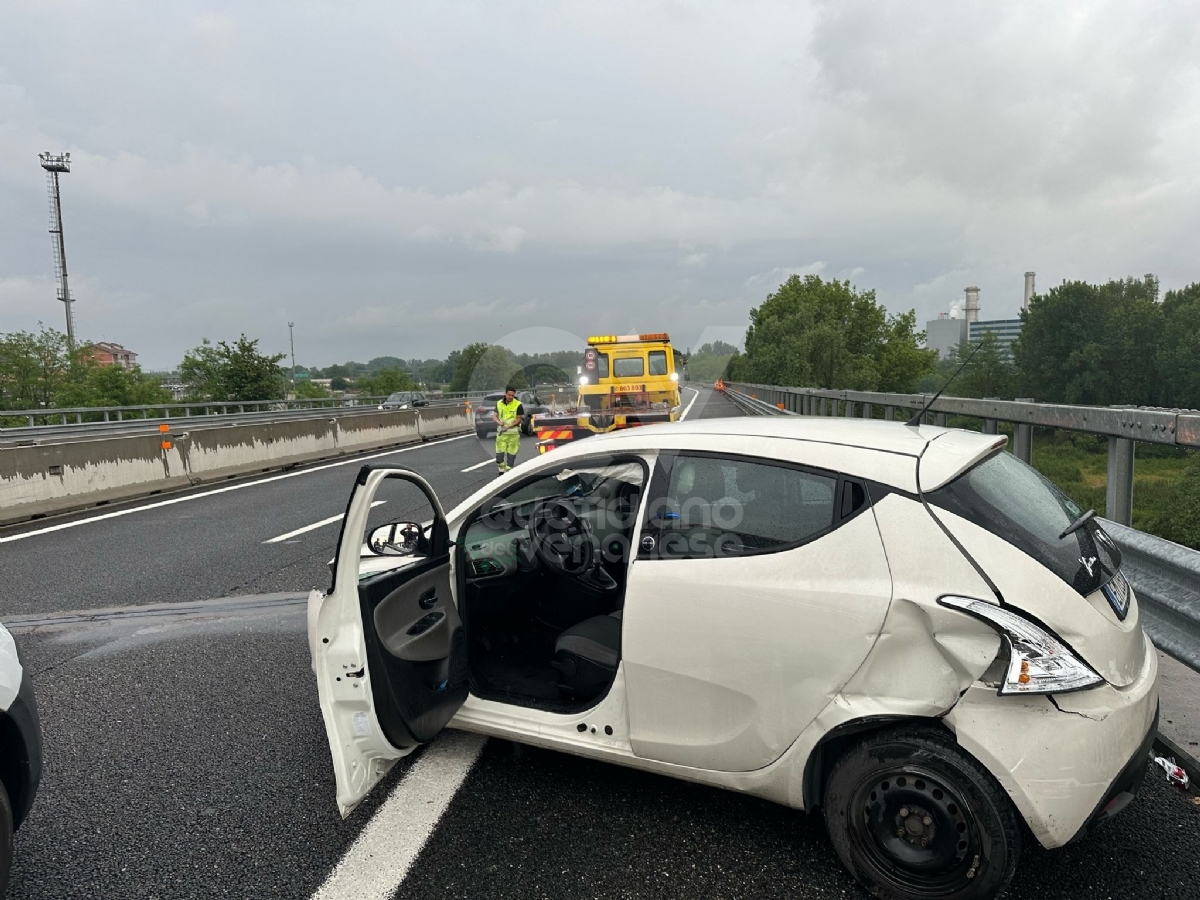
(1038, 662)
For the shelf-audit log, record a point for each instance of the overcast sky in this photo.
(402, 178)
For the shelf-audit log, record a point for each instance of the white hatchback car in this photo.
(905, 626)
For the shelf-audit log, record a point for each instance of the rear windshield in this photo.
(1015, 502)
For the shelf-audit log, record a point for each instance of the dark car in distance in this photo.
(405, 400)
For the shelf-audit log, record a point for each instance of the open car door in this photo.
(387, 646)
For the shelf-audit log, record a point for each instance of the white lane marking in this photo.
(232, 487)
(315, 525)
(695, 395)
(378, 860)
(486, 462)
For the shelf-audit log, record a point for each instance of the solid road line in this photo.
(381, 856)
(315, 525)
(486, 462)
(695, 396)
(223, 490)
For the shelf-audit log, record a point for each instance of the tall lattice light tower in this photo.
(53, 166)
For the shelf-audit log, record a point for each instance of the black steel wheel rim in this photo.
(916, 831)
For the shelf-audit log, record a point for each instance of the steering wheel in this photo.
(562, 539)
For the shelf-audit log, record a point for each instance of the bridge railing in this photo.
(1165, 575)
(1122, 426)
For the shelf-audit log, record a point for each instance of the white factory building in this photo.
(962, 325)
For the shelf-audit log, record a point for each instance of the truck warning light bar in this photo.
(627, 338)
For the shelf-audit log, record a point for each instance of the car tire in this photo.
(912, 815)
(6, 838)
(482, 433)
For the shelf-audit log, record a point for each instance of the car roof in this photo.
(875, 449)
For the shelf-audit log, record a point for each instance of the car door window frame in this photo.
(660, 485)
(439, 531)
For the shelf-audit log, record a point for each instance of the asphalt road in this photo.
(186, 757)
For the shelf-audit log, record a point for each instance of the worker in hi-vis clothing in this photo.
(508, 417)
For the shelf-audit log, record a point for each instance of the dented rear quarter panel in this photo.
(1057, 755)
(1113, 648)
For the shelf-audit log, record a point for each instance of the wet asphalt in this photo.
(187, 758)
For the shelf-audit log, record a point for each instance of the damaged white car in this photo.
(906, 627)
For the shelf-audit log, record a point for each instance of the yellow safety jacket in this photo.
(506, 411)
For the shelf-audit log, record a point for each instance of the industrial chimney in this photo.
(972, 304)
(1028, 290)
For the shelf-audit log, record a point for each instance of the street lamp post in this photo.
(292, 342)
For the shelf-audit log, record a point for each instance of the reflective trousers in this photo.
(508, 443)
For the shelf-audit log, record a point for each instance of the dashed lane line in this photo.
(379, 859)
(315, 525)
(357, 460)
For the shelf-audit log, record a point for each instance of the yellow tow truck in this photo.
(626, 380)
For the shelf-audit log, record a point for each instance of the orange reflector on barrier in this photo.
(166, 445)
(164, 427)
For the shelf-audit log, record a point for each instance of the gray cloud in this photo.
(403, 179)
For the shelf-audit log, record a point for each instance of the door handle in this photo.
(428, 599)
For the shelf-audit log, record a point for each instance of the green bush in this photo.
(1178, 516)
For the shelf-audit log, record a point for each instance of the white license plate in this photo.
(1117, 591)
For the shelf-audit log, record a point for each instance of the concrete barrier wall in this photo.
(37, 480)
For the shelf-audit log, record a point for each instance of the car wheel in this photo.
(481, 433)
(913, 816)
(6, 838)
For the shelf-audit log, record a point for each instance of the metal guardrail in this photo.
(74, 415)
(69, 422)
(39, 434)
(1122, 426)
(1165, 575)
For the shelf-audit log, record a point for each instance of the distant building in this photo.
(944, 333)
(170, 382)
(108, 354)
(1006, 331)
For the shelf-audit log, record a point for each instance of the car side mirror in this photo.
(397, 539)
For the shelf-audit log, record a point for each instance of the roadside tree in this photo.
(232, 372)
(829, 334)
(1091, 344)
(1179, 349)
(33, 368)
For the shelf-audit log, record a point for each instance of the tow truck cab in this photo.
(627, 380)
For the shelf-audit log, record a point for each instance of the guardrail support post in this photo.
(889, 414)
(1023, 442)
(849, 409)
(868, 411)
(822, 412)
(939, 419)
(1118, 495)
(989, 426)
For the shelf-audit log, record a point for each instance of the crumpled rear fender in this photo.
(1057, 755)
